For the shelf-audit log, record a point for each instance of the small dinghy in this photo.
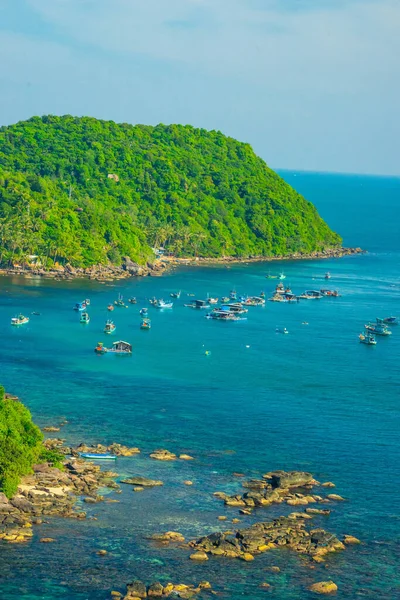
(281, 330)
(20, 320)
(85, 318)
(94, 456)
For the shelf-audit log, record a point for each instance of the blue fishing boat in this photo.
(378, 329)
(80, 306)
(367, 338)
(387, 321)
(143, 311)
(94, 456)
(110, 326)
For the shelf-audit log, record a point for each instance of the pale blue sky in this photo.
(311, 84)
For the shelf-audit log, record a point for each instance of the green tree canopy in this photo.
(88, 191)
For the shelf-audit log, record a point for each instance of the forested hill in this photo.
(85, 191)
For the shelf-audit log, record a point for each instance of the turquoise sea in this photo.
(314, 400)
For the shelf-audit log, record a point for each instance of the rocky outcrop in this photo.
(49, 491)
(163, 455)
(138, 590)
(142, 481)
(114, 448)
(274, 487)
(324, 587)
(281, 532)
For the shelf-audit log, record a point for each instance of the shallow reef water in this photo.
(315, 400)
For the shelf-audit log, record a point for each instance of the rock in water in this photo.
(324, 587)
(142, 481)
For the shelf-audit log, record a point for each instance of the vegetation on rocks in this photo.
(21, 444)
(87, 192)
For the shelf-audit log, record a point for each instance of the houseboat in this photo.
(311, 295)
(117, 348)
(199, 304)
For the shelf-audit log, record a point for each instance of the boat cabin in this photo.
(121, 347)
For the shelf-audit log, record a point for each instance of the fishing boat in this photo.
(235, 307)
(281, 330)
(387, 321)
(254, 301)
(87, 301)
(327, 275)
(80, 306)
(145, 324)
(143, 311)
(110, 327)
(19, 320)
(37, 314)
(161, 304)
(223, 315)
(117, 348)
(110, 307)
(378, 329)
(233, 295)
(132, 301)
(311, 295)
(97, 456)
(280, 288)
(120, 301)
(269, 276)
(198, 304)
(176, 295)
(85, 318)
(367, 339)
(330, 293)
(153, 301)
(211, 300)
(262, 295)
(282, 276)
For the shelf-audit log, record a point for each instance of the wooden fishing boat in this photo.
(254, 301)
(143, 311)
(311, 295)
(85, 318)
(132, 301)
(176, 295)
(281, 330)
(110, 327)
(145, 324)
(387, 321)
(19, 320)
(378, 329)
(367, 339)
(330, 293)
(110, 307)
(120, 301)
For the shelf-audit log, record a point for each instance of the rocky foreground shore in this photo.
(50, 491)
(104, 273)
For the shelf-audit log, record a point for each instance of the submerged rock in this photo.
(140, 481)
(324, 587)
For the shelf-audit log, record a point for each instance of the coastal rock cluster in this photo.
(50, 491)
(286, 532)
(114, 448)
(274, 488)
(137, 590)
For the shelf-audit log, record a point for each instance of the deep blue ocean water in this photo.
(315, 399)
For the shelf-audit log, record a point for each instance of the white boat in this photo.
(162, 304)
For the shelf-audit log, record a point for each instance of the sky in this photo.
(310, 84)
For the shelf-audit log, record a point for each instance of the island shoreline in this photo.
(109, 273)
